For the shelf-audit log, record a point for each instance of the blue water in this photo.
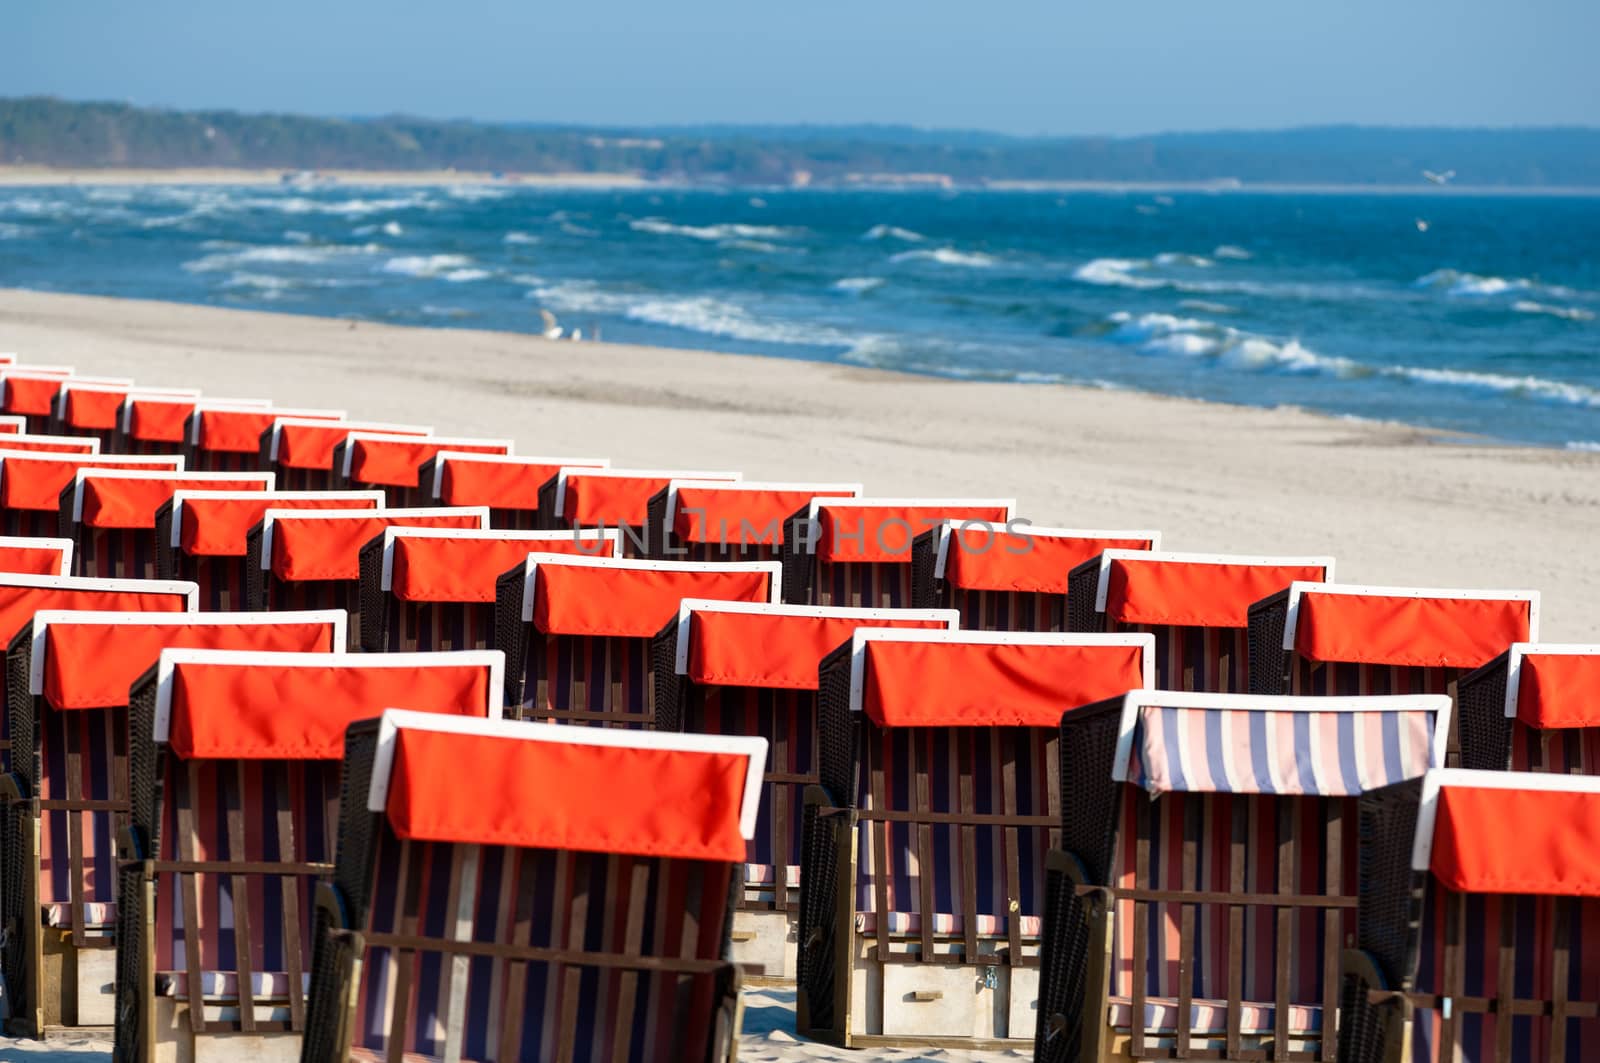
(1470, 313)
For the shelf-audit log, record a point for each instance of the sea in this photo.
(1469, 313)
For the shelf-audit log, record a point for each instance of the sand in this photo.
(1394, 504)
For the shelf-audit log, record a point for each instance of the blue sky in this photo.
(1023, 66)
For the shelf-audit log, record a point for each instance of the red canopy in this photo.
(1198, 591)
(633, 599)
(780, 646)
(306, 547)
(1403, 627)
(1036, 560)
(1556, 687)
(1495, 833)
(394, 460)
(124, 499)
(217, 523)
(464, 567)
(499, 481)
(35, 481)
(743, 513)
(878, 530)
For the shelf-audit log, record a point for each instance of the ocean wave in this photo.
(703, 314)
(1179, 258)
(758, 246)
(1584, 444)
(295, 255)
(265, 282)
(856, 285)
(1206, 306)
(1569, 313)
(13, 231)
(719, 232)
(1117, 272)
(388, 228)
(1169, 335)
(475, 193)
(948, 256)
(1231, 251)
(892, 232)
(461, 276)
(426, 265)
(519, 238)
(341, 207)
(1460, 283)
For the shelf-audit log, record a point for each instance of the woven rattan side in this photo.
(255, 577)
(327, 1033)
(17, 810)
(796, 557)
(671, 688)
(21, 712)
(374, 611)
(547, 506)
(66, 527)
(1269, 661)
(924, 555)
(1083, 583)
(137, 843)
(1483, 726)
(166, 556)
(659, 540)
(510, 633)
(1390, 911)
(336, 476)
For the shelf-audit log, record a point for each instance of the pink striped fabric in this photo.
(1331, 754)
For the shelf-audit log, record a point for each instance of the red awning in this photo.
(979, 559)
(464, 569)
(992, 684)
(18, 603)
(310, 446)
(1196, 593)
(239, 431)
(36, 481)
(1500, 840)
(218, 527)
(159, 420)
(321, 548)
(510, 484)
(131, 502)
(1557, 690)
(37, 559)
(395, 461)
(634, 600)
(1408, 630)
(742, 514)
(776, 649)
(877, 533)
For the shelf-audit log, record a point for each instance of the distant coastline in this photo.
(107, 137)
(63, 176)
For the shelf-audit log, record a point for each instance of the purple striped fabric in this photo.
(881, 585)
(1332, 754)
(1005, 610)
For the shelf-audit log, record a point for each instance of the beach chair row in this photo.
(1224, 624)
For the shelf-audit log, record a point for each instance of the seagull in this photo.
(1439, 178)
(552, 331)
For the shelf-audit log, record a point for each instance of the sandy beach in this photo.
(1394, 504)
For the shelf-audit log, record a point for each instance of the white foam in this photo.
(1117, 272)
(1231, 251)
(1455, 282)
(1585, 445)
(1168, 335)
(759, 246)
(460, 276)
(704, 314)
(344, 207)
(1568, 313)
(724, 231)
(856, 285)
(519, 238)
(1206, 306)
(892, 232)
(948, 256)
(426, 265)
(388, 228)
(296, 255)
(1179, 258)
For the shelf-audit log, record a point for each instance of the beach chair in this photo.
(612, 498)
(508, 484)
(311, 559)
(1008, 580)
(1535, 707)
(1196, 605)
(71, 769)
(742, 668)
(581, 920)
(1206, 881)
(31, 483)
(23, 595)
(31, 392)
(300, 449)
(922, 878)
(857, 551)
(1330, 638)
(579, 632)
(110, 514)
(1480, 895)
(710, 520)
(85, 409)
(28, 555)
(155, 423)
(202, 535)
(235, 782)
(224, 437)
(434, 588)
(393, 463)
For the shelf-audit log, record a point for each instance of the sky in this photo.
(1019, 66)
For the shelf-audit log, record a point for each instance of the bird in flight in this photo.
(1439, 178)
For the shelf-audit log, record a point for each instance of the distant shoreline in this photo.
(52, 176)
(14, 176)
